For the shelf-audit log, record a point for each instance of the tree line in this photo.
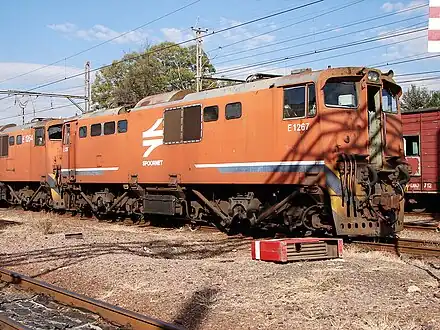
(168, 66)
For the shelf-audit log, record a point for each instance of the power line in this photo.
(355, 23)
(323, 50)
(286, 26)
(102, 43)
(180, 43)
(350, 53)
(39, 111)
(325, 39)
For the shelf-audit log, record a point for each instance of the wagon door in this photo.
(69, 151)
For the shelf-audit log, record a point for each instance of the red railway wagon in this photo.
(421, 133)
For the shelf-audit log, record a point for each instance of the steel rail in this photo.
(8, 324)
(108, 312)
(422, 226)
(405, 246)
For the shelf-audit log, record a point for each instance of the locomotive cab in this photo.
(366, 155)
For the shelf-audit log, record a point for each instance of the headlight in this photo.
(373, 76)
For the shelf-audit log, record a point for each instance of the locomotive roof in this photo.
(175, 97)
(420, 110)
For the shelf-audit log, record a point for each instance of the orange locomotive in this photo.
(315, 151)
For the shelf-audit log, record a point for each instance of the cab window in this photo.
(389, 101)
(66, 137)
(39, 136)
(341, 93)
(55, 132)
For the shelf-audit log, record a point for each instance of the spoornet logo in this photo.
(153, 137)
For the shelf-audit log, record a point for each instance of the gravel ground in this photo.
(205, 280)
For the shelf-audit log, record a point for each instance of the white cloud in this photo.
(100, 32)
(396, 6)
(176, 35)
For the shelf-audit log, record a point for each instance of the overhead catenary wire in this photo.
(323, 50)
(354, 23)
(104, 42)
(326, 39)
(180, 43)
(288, 25)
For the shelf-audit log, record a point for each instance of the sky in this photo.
(314, 36)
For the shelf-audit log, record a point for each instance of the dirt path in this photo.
(205, 280)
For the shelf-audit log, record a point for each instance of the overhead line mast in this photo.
(199, 56)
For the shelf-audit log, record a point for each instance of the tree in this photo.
(158, 69)
(417, 97)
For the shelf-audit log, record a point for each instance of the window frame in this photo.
(395, 102)
(304, 85)
(226, 112)
(418, 144)
(106, 124)
(211, 106)
(358, 92)
(126, 127)
(11, 139)
(91, 129)
(180, 109)
(79, 131)
(35, 136)
(66, 134)
(48, 135)
(2, 144)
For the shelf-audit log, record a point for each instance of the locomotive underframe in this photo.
(370, 204)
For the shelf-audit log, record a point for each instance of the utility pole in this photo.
(87, 90)
(199, 57)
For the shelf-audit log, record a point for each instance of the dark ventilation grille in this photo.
(4, 145)
(172, 125)
(182, 125)
(192, 123)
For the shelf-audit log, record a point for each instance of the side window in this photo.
(294, 102)
(210, 113)
(233, 110)
(412, 145)
(95, 130)
(122, 126)
(66, 137)
(39, 136)
(192, 123)
(4, 146)
(11, 140)
(311, 101)
(55, 132)
(109, 128)
(19, 139)
(83, 131)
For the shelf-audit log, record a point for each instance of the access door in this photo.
(69, 151)
(375, 125)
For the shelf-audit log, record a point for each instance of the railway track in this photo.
(116, 316)
(400, 246)
(422, 226)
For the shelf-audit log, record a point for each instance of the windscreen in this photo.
(341, 93)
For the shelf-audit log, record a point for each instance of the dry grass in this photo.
(45, 225)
